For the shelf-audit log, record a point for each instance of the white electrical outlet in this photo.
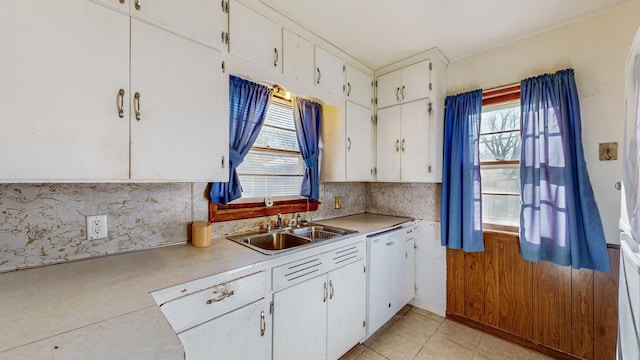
(96, 227)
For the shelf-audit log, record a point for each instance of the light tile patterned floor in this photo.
(416, 334)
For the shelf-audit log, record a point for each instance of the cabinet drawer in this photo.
(348, 254)
(188, 311)
(298, 271)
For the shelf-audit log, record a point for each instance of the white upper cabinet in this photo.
(329, 72)
(404, 143)
(70, 109)
(297, 57)
(178, 128)
(254, 37)
(59, 93)
(204, 21)
(358, 87)
(360, 149)
(404, 85)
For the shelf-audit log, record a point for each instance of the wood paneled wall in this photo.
(557, 310)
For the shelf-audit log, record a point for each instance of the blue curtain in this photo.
(461, 206)
(308, 116)
(248, 103)
(559, 219)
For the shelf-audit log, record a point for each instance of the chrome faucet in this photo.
(279, 223)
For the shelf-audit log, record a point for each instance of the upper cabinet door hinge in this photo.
(376, 83)
(271, 308)
(430, 66)
(225, 6)
(344, 68)
(376, 101)
(429, 108)
(430, 86)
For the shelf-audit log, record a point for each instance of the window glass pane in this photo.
(501, 210)
(500, 179)
(277, 139)
(272, 172)
(271, 163)
(500, 146)
(260, 186)
(501, 119)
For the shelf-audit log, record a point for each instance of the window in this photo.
(500, 161)
(273, 166)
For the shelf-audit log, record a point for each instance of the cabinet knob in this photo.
(402, 92)
(403, 147)
(348, 89)
(263, 324)
(319, 75)
(348, 144)
(397, 145)
(330, 290)
(398, 93)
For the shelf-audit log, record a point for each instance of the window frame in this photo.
(254, 207)
(494, 97)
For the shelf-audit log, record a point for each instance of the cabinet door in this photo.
(297, 57)
(347, 287)
(203, 20)
(389, 89)
(415, 82)
(358, 87)
(388, 144)
(241, 334)
(333, 138)
(300, 321)
(329, 74)
(409, 271)
(59, 93)
(182, 132)
(122, 5)
(415, 143)
(359, 143)
(254, 37)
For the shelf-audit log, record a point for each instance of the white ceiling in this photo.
(380, 32)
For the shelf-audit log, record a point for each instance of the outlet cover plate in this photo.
(96, 227)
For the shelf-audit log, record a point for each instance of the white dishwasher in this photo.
(386, 258)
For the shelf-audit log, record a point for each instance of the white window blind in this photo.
(274, 166)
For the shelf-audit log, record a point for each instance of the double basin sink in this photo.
(286, 239)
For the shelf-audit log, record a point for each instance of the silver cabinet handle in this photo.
(330, 290)
(222, 162)
(397, 145)
(136, 106)
(349, 89)
(263, 324)
(222, 296)
(402, 92)
(402, 145)
(121, 103)
(138, 4)
(275, 57)
(349, 144)
(319, 75)
(398, 93)
(325, 292)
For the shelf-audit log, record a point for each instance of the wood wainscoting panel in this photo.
(552, 305)
(492, 261)
(605, 304)
(516, 291)
(582, 313)
(455, 281)
(474, 286)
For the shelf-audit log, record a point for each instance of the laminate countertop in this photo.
(100, 308)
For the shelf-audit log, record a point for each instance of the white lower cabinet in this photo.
(240, 334)
(321, 317)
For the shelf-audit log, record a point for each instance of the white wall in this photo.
(596, 48)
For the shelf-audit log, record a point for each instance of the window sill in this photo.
(220, 213)
(501, 232)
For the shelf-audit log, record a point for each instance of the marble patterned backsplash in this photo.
(43, 224)
(418, 200)
(46, 224)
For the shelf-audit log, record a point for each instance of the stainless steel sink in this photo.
(320, 232)
(286, 239)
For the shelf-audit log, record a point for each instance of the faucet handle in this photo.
(268, 226)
